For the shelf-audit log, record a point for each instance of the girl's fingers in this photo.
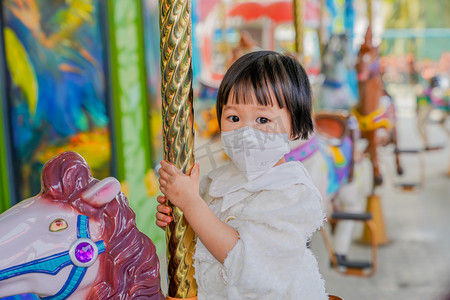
(162, 189)
(161, 199)
(163, 218)
(163, 174)
(162, 208)
(162, 182)
(167, 167)
(170, 168)
(161, 225)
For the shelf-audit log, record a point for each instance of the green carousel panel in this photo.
(55, 86)
(5, 182)
(135, 143)
(150, 14)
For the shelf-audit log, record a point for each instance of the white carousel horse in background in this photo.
(434, 97)
(77, 239)
(335, 91)
(329, 158)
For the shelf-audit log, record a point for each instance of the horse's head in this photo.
(338, 56)
(75, 239)
(367, 62)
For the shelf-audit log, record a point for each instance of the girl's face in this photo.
(271, 119)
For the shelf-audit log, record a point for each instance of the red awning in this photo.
(277, 11)
(247, 10)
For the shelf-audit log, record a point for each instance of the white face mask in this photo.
(253, 151)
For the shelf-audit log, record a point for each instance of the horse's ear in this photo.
(102, 192)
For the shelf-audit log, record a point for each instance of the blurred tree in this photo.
(417, 14)
(404, 20)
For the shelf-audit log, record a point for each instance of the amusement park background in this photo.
(84, 75)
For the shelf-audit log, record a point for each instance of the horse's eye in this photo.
(58, 225)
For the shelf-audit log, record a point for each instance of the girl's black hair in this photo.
(266, 73)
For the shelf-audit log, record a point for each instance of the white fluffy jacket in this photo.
(275, 215)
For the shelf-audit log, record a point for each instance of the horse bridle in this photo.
(82, 254)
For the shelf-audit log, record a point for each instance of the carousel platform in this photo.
(415, 263)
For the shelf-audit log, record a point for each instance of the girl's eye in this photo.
(58, 225)
(262, 120)
(233, 118)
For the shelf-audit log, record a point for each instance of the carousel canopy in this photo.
(277, 11)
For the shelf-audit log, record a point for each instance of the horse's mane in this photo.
(129, 265)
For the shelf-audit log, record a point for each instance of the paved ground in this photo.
(416, 263)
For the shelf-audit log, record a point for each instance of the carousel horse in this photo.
(335, 91)
(77, 239)
(329, 158)
(375, 110)
(434, 97)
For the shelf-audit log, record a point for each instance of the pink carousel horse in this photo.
(77, 239)
(375, 110)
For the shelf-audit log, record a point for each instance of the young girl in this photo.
(254, 216)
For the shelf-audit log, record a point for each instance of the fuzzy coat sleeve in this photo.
(271, 255)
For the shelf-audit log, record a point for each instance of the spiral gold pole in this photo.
(178, 134)
(369, 12)
(298, 22)
(320, 30)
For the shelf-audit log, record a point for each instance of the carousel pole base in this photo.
(374, 207)
(173, 298)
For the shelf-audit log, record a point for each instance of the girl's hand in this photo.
(163, 217)
(178, 187)
(182, 191)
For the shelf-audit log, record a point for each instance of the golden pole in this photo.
(178, 134)
(369, 12)
(298, 22)
(320, 32)
(223, 24)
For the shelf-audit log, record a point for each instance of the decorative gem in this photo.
(84, 252)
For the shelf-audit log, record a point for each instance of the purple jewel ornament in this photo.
(84, 252)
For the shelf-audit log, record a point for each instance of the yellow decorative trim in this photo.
(367, 123)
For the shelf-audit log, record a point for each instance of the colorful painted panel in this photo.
(56, 91)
